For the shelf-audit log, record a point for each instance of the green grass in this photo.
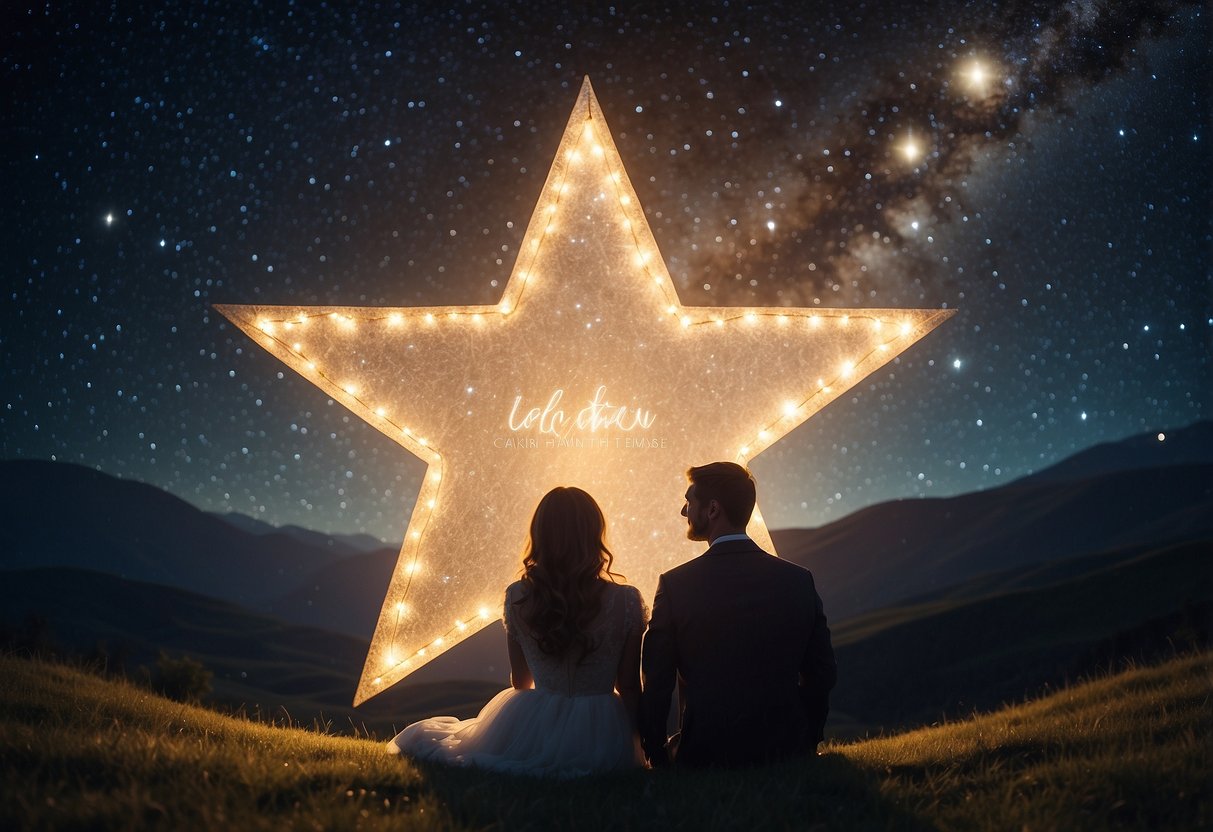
(1126, 752)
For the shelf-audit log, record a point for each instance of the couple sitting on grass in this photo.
(740, 631)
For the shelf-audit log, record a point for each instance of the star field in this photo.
(1043, 170)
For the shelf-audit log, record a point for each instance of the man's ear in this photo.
(713, 509)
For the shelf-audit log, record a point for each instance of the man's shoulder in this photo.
(750, 554)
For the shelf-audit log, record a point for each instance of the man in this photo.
(743, 634)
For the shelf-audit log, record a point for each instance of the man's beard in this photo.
(697, 531)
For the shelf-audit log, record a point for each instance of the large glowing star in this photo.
(588, 372)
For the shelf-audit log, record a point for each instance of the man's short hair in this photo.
(728, 484)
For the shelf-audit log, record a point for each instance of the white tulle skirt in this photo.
(532, 732)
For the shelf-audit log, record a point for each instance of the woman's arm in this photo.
(627, 677)
(520, 671)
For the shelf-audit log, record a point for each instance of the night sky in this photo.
(1044, 169)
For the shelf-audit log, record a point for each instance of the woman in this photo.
(574, 644)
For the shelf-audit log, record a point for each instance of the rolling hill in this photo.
(893, 551)
(258, 662)
(1126, 752)
(59, 514)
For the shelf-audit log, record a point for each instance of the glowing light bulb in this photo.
(351, 389)
(789, 408)
(266, 327)
(395, 319)
(764, 435)
(297, 346)
(412, 568)
(625, 200)
(911, 150)
(848, 367)
(905, 327)
(484, 612)
(686, 322)
(380, 412)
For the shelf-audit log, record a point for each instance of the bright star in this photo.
(563, 404)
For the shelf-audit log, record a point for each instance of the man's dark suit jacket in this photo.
(744, 636)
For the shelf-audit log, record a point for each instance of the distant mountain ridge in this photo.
(1191, 445)
(342, 544)
(893, 551)
(61, 514)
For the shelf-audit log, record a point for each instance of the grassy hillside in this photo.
(1127, 752)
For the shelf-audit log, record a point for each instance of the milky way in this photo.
(1043, 168)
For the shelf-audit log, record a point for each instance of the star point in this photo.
(589, 372)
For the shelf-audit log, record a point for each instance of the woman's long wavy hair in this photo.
(564, 566)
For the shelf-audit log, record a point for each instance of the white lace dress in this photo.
(571, 724)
